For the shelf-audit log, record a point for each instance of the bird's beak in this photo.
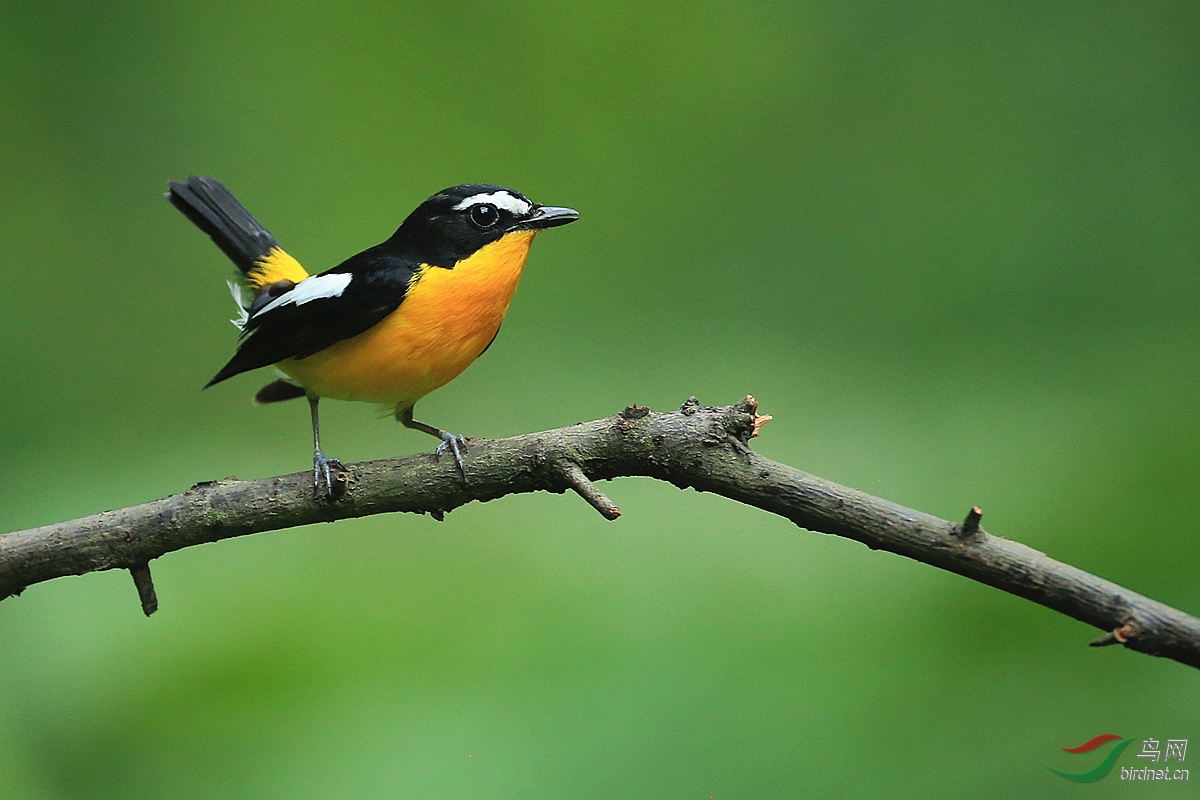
(547, 217)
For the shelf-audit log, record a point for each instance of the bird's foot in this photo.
(452, 442)
(331, 472)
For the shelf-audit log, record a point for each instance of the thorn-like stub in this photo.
(438, 514)
(1119, 635)
(145, 587)
(635, 411)
(970, 525)
(690, 406)
(759, 421)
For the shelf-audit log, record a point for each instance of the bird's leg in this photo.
(450, 441)
(321, 465)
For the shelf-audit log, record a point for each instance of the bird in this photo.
(386, 326)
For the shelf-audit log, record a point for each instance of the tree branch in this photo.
(704, 448)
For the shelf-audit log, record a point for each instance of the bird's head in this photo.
(456, 222)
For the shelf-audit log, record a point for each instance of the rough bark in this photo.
(701, 447)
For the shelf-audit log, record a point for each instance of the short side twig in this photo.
(145, 588)
(574, 476)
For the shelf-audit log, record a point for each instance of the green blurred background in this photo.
(951, 247)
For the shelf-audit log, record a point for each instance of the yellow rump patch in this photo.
(276, 266)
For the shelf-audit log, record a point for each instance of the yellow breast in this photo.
(446, 320)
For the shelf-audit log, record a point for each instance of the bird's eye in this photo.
(484, 215)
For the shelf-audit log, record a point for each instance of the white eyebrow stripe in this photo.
(309, 289)
(503, 200)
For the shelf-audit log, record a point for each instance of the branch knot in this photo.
(635, 411)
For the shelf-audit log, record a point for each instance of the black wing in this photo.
(282, 329)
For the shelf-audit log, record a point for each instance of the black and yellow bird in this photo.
(386, 326)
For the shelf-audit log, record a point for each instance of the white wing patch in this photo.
(505, 200)
(319, 287)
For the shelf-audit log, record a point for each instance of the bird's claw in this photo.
(323, 469)
(452, 442)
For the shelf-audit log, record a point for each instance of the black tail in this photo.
(215, 210)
